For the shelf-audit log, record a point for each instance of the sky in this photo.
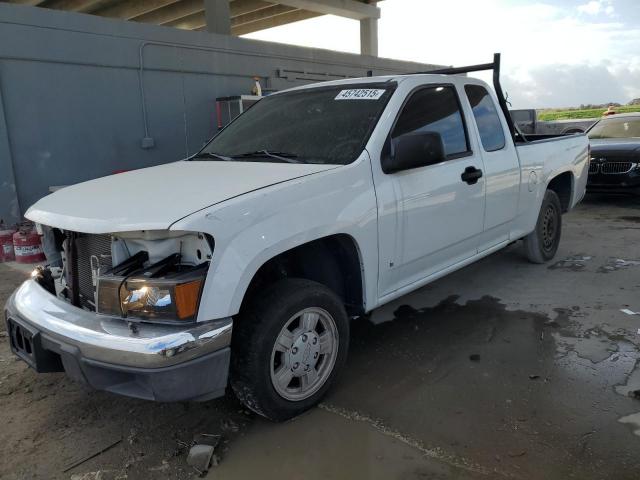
(554, 54)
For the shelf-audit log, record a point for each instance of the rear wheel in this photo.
(541, 245)
(288, 346)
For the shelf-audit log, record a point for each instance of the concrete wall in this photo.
(79, 93)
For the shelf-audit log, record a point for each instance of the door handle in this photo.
(471, 175)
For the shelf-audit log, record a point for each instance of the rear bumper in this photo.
(157, 362)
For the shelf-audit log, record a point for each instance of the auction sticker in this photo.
(360, 94)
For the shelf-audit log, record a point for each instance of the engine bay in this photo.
(146, 275)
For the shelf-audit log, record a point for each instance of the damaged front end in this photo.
(120, 313)
(147, 276)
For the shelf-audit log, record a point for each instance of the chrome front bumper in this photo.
(110, 340)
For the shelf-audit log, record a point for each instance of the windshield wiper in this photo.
(212, 155)
(282, 156)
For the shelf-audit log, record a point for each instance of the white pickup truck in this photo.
(316, 205)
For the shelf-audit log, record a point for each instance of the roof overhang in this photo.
(246, 16)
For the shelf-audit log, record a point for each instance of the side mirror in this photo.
(414, 150)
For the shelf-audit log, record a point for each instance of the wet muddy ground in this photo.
(501, 370)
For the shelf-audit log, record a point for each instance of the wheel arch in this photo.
(334, 261)
(563, 184)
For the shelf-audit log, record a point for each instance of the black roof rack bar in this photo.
(456, 70)
(502, 100)
(495, 66)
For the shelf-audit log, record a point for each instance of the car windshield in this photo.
(620, 127)
(328, 125)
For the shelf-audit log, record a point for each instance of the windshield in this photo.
(328, 125)
(621, 127)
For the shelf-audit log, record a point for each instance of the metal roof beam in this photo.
(246, 16)
(258, 15)
(271, 16)
(194, 21)
(33, 3)
(132, 8)
(74, 5)
(242, 7)
(342, 8)
(185, 8)
(197, 21)
(275, 21)
(171, 12)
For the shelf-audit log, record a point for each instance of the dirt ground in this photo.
(501, 370)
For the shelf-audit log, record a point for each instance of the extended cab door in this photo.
(429, 218)
(501, 166)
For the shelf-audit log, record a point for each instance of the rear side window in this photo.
(435, 109)
(487, 119)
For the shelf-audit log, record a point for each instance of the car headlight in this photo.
(150, 299)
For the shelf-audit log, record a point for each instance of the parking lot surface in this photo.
(503, 369)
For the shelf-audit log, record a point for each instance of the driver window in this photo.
(435, 109)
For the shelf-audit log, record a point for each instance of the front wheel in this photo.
(541, 245)
(287, 348)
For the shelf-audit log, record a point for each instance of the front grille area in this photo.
(593, 167)
(20, 339)
(93, 252)
(616, 167)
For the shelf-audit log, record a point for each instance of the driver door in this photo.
(430, 218)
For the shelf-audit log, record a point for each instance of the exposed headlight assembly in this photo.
(165, 294)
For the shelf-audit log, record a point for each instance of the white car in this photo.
(317, 204)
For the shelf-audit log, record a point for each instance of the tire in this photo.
(264, 356)
(541, 245)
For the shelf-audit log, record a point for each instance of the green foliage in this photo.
(550, 114)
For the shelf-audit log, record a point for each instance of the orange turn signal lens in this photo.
(186, 299)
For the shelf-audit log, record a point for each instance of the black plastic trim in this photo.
(495, 66)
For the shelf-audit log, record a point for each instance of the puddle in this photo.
(500, 387)
(574, 263)
(630, 218)
(632, 420)
(455, 391)
(593, 348)
(595, 344)
(632, 385)
(614, 264)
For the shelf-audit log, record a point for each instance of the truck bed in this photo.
(541, 161)
(537, 137)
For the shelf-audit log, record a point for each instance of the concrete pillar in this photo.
(218, 17)
(369, 36)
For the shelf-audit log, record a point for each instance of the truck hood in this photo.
(154, 198)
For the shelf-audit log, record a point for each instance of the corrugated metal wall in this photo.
(79, 93)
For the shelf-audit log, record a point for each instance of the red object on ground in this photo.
(28, 247)
(6, 244)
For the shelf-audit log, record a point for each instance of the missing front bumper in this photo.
(157, 362)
